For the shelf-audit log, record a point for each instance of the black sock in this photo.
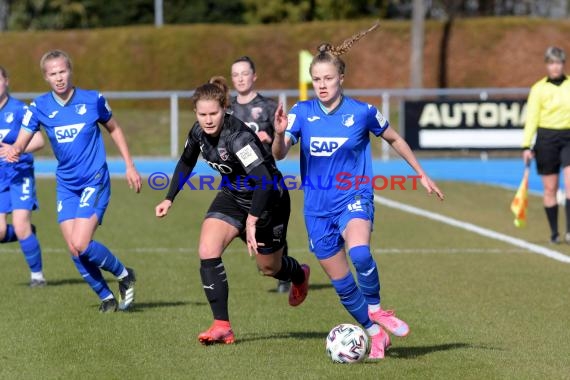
(285, 253)
(567, 209)
(215, 284)
(290, 271)
(552, 216)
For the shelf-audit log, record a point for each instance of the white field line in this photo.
(534, 248)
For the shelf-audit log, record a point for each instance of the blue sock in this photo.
(92, 275)
(10, 234)
(352, 299)
(100, 255)
(32, 252)
(367, 273)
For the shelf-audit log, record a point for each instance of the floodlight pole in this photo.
(158, 14)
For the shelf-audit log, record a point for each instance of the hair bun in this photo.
(323, 48)
(222, 84)
(219, 81)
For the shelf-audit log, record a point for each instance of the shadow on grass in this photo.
(63, 282)
(319, 286)
(138, 307)
(304, 335)
(412, 352)
(311, 287)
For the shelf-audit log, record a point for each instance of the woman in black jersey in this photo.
(257, 112)
(251, 205)
(254, 109)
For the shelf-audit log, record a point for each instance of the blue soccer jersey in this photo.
(11, 115)
(335, 150)
(74, 134)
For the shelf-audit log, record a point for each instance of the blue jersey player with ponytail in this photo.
(18, 185)
(70, 117)
(334, 133)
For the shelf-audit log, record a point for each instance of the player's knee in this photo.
(550, 191)
(206, 251)
(22, 230)
(78, 245)
(72, 249)
(549, 198)
(550, 187)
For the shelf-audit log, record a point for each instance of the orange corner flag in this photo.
(519, 204)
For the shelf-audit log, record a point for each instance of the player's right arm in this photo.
(36, 143)
(287, 132)
(182, 172)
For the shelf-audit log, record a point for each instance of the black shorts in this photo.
(552, 150)
(271, 228)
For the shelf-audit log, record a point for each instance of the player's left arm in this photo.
(379, 126)
(403, 149)
(116, 133)
(108, 121)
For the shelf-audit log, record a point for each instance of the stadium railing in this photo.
(385, 96)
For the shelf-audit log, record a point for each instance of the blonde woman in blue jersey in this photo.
(334, 131)
(70, 117)
(548, 120)
(18, 185)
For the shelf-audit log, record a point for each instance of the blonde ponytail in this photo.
(329, 53)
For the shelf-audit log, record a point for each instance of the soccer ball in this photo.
(347, 343)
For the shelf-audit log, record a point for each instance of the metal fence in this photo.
(386, 98)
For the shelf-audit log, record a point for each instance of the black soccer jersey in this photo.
(236, 153)
(257, 114)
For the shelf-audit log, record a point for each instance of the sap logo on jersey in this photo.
(326, 146)
(68, 133)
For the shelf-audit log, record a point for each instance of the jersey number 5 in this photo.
(26, 186)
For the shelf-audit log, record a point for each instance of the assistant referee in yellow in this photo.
(548, 117)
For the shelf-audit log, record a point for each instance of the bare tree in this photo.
(452, 9)
(417, 44)
(4, 14)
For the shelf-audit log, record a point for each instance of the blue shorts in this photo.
(325, 233)
(20, 194)
(83, 203)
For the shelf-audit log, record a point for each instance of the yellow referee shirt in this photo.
(548, 106)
